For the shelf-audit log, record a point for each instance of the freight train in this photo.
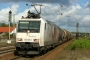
(36, 35)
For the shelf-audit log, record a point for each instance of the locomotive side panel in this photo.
(48, 34)
(51, 34)
(56, 33)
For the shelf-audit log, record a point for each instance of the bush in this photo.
(6, 35)
(79, 44)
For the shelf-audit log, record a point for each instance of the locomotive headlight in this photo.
(19, 39)
(36, 40)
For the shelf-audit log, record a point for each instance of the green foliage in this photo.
(6, 35)
(79, 44)
(3, 25)
(6, 25)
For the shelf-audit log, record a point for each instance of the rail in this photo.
(6, 51)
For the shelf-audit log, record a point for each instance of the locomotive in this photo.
(36, 35)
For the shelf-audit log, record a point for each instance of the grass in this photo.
(79, 44)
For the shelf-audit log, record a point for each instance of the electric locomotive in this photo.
(36, 35)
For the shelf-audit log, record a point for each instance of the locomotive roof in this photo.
(50, 22)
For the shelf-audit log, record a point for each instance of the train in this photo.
(36, 35)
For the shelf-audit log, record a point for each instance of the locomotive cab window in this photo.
(32, 26)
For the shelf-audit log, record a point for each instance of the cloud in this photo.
(14, 8)
(4, 14)
(5, 11)
(61, 2)
(87, 4)
(52, 12)
(70, 17)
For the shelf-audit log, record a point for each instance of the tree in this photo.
(3, 25)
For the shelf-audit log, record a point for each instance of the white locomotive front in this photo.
(28, 36)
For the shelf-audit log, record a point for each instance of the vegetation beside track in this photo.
(78, 50)
(81, 43)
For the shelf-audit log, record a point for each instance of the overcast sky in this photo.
(73, 11)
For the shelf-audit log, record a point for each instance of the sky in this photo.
(73, 11)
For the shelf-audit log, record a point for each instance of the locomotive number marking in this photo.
(28, 39)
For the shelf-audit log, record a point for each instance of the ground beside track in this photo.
(73, 55)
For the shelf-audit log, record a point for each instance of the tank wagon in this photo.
(35, 35)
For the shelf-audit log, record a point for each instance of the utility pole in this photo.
(10, 17)
(14, 27)
(13, 20)
(77, 33)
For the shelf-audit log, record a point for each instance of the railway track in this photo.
(7, 48)
(48, 55)
(24, 58)
(6, 51)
